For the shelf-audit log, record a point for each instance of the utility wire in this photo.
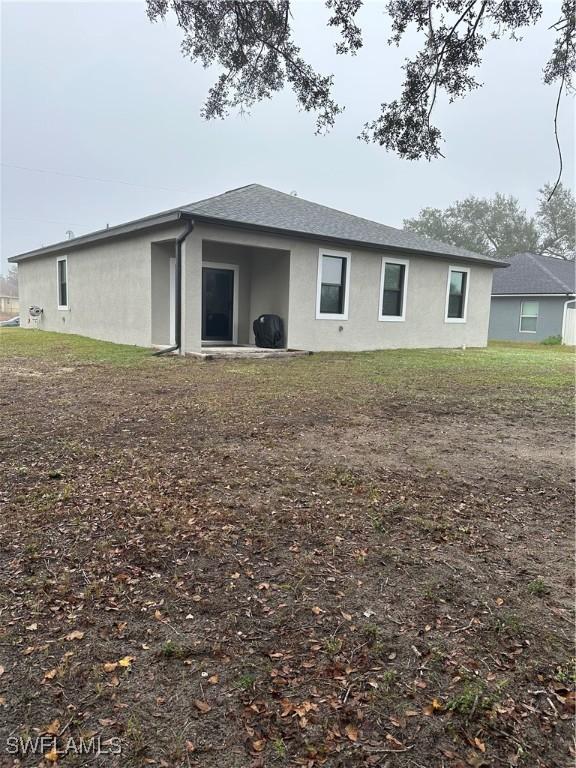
(48, 221)
(89, 178)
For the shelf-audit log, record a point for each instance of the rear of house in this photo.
(200, 275)
(533, 300)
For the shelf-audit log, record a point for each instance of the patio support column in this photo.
(192, 294)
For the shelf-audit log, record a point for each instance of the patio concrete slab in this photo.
(245, 352)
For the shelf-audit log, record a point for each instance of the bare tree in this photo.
(9, 282)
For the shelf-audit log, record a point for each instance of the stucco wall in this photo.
(111, 297)
(161, 256)
(109, 290)
(505, 318)
(424, 325)
(270, 286)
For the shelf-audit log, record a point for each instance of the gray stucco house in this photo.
(199, 275)
(533, 299)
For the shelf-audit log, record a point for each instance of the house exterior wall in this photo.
(505, 318)
(424, 325)
(160, 292)
(270, 286)
(109, 290)
(112, 296)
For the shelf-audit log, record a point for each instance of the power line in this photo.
(48, 221)
(89, 178)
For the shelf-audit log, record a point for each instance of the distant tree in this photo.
(251, 42)
(9, 282)
(556, 221)
(499, 227)
(496, 227)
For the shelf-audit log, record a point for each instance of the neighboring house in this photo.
(533, 299)
(339, 282)
(9, 307)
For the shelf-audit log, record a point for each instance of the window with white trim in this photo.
(333, 285)
(393, 284)
(457, 294)
(62, 278)
(529, 316)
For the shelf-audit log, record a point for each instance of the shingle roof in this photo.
(532, 273)
(266, 209)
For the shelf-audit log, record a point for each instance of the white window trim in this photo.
(393, 318)
(466, 294)
(236, 269)
(520, 329)
(341, 255)
(67, 305)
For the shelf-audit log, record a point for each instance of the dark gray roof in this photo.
(261, 208)
(532, 273)
(265, 208)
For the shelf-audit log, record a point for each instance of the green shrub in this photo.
(552, 340)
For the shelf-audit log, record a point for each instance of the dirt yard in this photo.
(339, 560)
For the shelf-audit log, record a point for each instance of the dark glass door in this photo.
(217, 304)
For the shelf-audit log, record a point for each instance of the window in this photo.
(333, 284)
(393, 282)
(457, 294)
(62, 272)
(528, 316)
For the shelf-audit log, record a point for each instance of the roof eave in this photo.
(174, 215)
(552, 294)
(230, 223)
(137, 225)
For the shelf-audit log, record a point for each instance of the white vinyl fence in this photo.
(569, 325)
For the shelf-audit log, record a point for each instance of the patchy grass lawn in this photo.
(341, 560)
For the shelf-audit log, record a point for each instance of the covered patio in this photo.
(226, 287)
(240, 283)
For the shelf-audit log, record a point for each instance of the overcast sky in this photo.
(94, 90)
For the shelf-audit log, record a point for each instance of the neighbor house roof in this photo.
(530, 273)
(261, 208)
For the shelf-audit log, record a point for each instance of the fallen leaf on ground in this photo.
(53, 728)
(258, 745)
(75, 635)
(202, 706)
(434, 706)
(352, 732)
(126, 661)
